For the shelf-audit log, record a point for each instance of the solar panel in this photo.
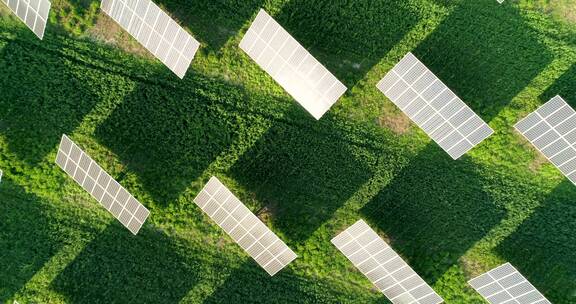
(244, 227)
(428, 102)
(383, 266)
(108, 192)
(291, 65)
(32, 12)
(552, 130)
(504, 284)
(156, 31)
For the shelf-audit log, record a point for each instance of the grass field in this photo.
(163, 138)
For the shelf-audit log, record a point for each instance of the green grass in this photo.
(163, 137)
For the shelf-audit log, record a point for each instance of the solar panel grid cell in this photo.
(552, 130)
(291, 65)
(156, 31)
(34, 13)
(433, 107)
(382, 266)
(92, 178)
(244, 227)
(505, 285)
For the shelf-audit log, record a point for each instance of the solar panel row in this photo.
(428, 102)
(505, 285)
(108, 192)
(383, 266)
(245, 228)
(552, 130)
(34, 13)
(291, 65)
(156, 31)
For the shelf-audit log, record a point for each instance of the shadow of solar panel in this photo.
(115, 267)
(383, 266)
(31, 236)
(156, 31)
(330, 31)
(443, 220)
(563, 86)
(214, 23)
(269, 251)
(108, 192)
(475, 51)
(552, 130)
(540, 246)
(34, 13)
(428, 102)
(504, 284)
(301, 175)
(291, 65)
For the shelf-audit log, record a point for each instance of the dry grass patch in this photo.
(109, 32)
(397, 122)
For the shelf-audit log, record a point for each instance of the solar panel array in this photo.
(428, 102)
(156, 31)
(32, 12)
(383, 266)
(88, 174)
(291, 65)
(505, 285)
(244, 227)
(552, 130)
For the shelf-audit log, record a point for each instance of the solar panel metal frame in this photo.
(429, 103)
(383, 266)
(506, 285)
(34, 13)
(156, 31)
(291, 65)
(551, 129)
(245, 228)
(107, 191)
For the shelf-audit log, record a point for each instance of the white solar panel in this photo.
(428, 102)
(552, 130)
(505, 285)
(32, 12)
(88, 174)
(291, 65)
(244, 227)
(156, 31)
(383, 266)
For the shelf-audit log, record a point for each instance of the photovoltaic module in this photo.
(505, 285)
(245, 228)
(291, 65)
(428, 102)
(156, 31)
(107, 191)
(383, 266)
